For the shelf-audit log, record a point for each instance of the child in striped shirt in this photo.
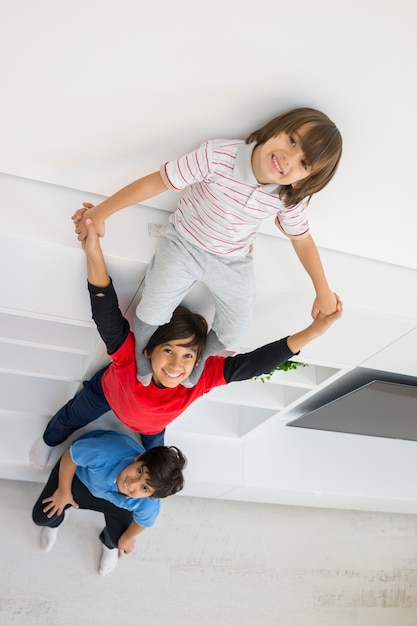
(229, 187)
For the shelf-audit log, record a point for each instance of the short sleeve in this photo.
(189, 169)
(293, 221)
(147, 512)
(87, 453)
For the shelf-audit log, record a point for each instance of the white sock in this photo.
(213, 346)
(48, 537)
(108, 561)
(48, 534)
(39, 454)
(143, 332)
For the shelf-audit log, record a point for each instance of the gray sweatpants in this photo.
(173, 271)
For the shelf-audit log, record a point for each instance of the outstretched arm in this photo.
(138, 191)
(317, 328)
(307, 252)
(265, 359)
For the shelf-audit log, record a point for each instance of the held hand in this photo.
(79, 217)
(318, 327)
(56, 504)
(91, 243)
(323, 322)
(126, 545)
(326, 303)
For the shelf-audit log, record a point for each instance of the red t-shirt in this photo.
(149, 409)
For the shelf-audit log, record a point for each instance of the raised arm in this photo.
(111, 324)
(138, 191)
(325, 300)
(97, 274)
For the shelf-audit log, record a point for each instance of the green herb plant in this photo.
(284, 367)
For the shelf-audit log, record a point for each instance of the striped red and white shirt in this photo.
(223, 204)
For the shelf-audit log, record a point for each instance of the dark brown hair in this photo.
(165, 465)
(183, 324)
(321, 143)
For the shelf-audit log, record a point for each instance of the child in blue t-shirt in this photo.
(110, 472)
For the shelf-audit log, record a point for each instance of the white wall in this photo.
(99, 92)
(49, 345)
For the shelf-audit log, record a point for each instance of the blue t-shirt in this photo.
(100, 456)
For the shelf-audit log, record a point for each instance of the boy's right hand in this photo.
(56, 504)
(79, 217)
(318, 327)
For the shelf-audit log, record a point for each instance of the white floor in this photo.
(209, 562)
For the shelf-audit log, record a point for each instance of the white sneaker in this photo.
(39, 454)
(108, 562)
(48, 537)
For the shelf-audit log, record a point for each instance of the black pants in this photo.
(86, 406)
(117, 519)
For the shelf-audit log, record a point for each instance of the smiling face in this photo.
(280, 160)
(172, 362)
(133, 480)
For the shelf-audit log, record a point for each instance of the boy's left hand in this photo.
(325, 303)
